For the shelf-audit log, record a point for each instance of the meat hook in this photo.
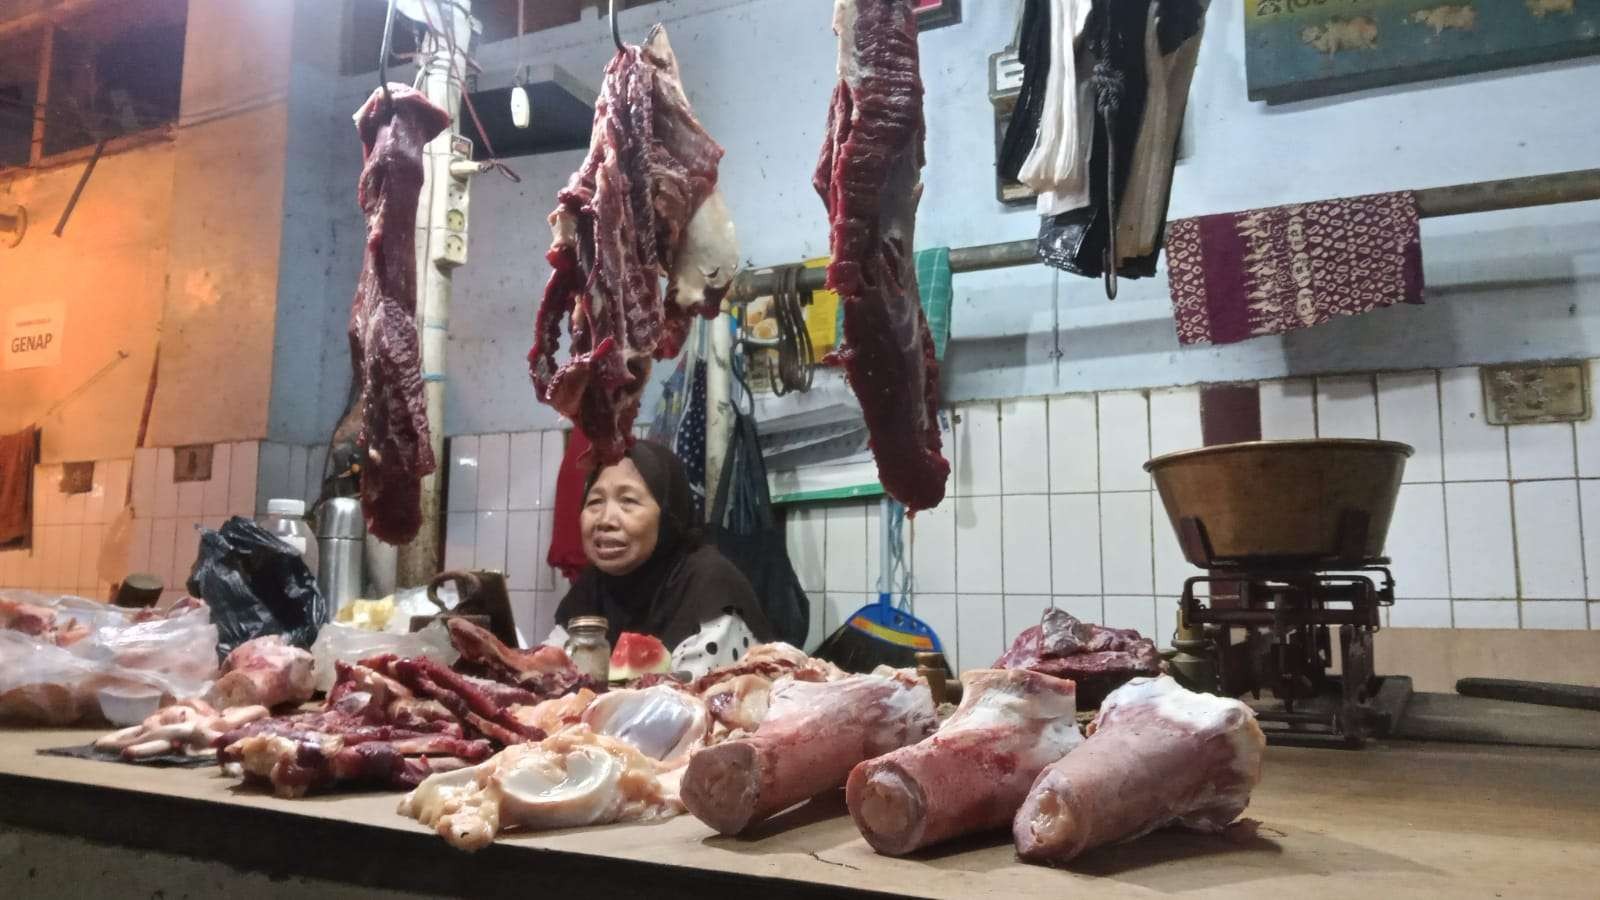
(383, 53)
(616, 34)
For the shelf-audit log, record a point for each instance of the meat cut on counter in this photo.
(1157, 755)
(394, 721)
(265, 671)
(813, 735)
(186, 728)
(385, 352)
(572, 778)
(974, 772)
(870, 179)
(1096, 658)
(642, 207)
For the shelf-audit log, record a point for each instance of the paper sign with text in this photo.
(34, 334)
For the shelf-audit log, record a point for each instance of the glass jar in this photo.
(588, 647)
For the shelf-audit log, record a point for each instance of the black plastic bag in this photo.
(255, 585)
(742, 527)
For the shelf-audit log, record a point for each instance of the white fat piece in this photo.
(661, 722)
(709, 256)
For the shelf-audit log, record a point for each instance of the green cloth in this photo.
(934, 284)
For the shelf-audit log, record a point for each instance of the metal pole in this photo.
(419, 560)
(1482, 196)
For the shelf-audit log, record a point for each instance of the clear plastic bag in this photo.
(42, 683)
(345, 643)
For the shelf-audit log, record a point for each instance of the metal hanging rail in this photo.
(1453, 200)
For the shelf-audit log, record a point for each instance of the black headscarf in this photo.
(683, 585)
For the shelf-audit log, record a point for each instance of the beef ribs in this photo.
(1098, 659)
(385, 352)
(869, 176)
(642, 207)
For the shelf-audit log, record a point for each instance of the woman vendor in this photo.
(648, 570)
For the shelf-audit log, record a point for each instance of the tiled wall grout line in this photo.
(1516, 558)
(1444, 497)
(1049, 514)
(1099, 507)
(1000, 446)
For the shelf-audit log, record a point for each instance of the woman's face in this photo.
(621, 520)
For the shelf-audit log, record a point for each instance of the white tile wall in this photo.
(978, 451)
(1549, 539)
(1288, 409)
(1347, 407)
(1075, 444)
(1478, 521)
(1124, 441)
(1408, 412)
(1542, 451)
(1175, 420)
(1026, 530)
(69, 532)
(1075, 544)
(1126, 558)
(1417, 542)
(979, 543)
(1473, 449)
(1025, 447)
(1077, 522)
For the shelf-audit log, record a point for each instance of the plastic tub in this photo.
(129, 705)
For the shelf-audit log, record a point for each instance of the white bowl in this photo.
(130, 705)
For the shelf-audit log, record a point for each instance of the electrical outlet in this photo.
(192, 463)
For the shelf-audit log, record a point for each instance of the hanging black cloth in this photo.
(1033, 49)
(745, 530)
(1076, 240)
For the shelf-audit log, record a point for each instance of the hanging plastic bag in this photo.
(743, 528)
(256, 585)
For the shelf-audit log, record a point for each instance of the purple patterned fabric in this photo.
(1238, 275)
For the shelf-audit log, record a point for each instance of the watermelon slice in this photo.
(637, 655)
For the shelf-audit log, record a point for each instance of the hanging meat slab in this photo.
(642, 207)
(384, 349)
(813, 735)
(870, 178)
(1156, 755)
(975, 771)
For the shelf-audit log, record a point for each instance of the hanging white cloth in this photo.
(1058, 167)
(719, 403)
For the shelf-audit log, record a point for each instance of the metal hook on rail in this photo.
(616, 33)
(383, 52)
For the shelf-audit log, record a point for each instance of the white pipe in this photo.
(419, 560)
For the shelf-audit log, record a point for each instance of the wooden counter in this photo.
(1392, 820)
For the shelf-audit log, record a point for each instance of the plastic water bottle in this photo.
(287, 520)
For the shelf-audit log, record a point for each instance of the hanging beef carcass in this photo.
(384, 350)
(642, 207)
(870, 178)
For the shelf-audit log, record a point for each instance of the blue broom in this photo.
(885, 632)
